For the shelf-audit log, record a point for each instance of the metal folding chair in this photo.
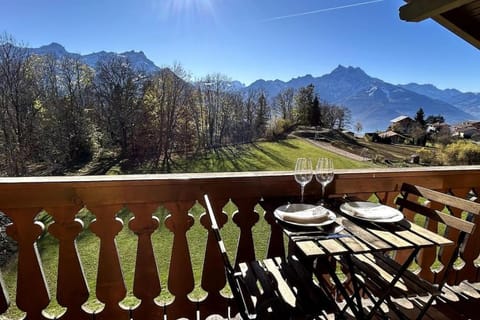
(274, 288)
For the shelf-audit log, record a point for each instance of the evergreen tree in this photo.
(420, 117)
(435, 119)
(261, 117)
(304, 103)
(316, 114)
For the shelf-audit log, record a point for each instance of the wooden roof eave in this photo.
(458, 31)
(419, 10)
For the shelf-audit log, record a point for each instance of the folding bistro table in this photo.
(360, 239)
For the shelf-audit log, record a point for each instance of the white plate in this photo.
(394, 214)
(295, 207)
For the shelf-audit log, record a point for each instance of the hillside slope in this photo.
(390, 154)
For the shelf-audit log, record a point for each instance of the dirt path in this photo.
(329, 147)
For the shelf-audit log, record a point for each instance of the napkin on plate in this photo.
(314, 215)
(371, 211)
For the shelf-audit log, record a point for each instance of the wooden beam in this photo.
(458, 31)
(418, 10)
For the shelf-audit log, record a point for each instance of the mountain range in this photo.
(138, 59)
(373, 102)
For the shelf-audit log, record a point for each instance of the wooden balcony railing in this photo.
(62, 197)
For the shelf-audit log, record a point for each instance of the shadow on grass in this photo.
(238, 158)
(288, 144)
(274, 156)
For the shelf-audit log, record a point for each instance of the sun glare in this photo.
(179, 8)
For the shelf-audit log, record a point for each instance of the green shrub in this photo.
(378, 158)
(277, 129)
(462, 152)
(430, 156)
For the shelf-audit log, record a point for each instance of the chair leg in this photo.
(427, 305)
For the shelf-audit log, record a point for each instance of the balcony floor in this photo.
(459, 303)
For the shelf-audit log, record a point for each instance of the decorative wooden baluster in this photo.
(245, 218)
(213, 275)
(4, 301)
(388, 198)
(276, 247)
(180, 274)
(110, 287)
(446, 252)
(146, 285)
(32, 294)
(472, 250)
(72, 289)
(429, 256)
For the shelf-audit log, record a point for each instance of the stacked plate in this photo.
(301, 214)
(371, 211)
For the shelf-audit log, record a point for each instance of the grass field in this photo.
(263, 156)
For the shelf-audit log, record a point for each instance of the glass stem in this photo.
(322, 201)
(301, 192)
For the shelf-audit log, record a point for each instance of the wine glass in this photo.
(324, 174)
(303, 173)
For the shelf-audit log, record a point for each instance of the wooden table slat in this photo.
(354, 244)
(396, 241)
(366, 236)
(333, 246)
(310, 248)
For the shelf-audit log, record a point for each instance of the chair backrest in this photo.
(218, 237)
(410, 201)
(233, 281)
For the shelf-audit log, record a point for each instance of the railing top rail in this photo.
(223, 175)
(42, 192)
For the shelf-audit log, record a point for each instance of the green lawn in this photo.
(264, 156)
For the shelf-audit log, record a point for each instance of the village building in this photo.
(467, 129)
(401, 124)
(392, 137)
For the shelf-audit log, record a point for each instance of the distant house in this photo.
(465, 132)
(392, 137)
(437, 127)
(401, 124)
(468, 124)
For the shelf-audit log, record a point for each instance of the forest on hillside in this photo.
(58, 114)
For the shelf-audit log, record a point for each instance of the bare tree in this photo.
(238, 127)
(118, 91)
(169, 99)
(358, 127)
(335, 117)
(18, 106)
(77, 80)
(284, 103)
(251, 107)
(343, 117)
(66, 94)
(216, 107)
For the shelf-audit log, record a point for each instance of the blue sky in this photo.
(252, 39)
